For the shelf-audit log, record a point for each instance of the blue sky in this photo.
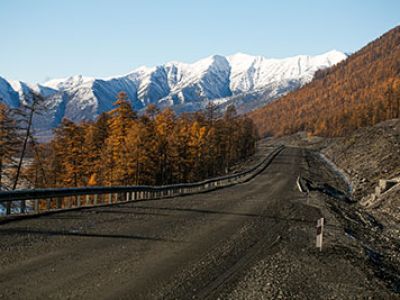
(43, 39)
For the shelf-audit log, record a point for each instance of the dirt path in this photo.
(253, 240)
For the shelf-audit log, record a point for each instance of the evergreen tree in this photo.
(164, 126)
(120, 122)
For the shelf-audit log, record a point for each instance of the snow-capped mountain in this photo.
(248, 81)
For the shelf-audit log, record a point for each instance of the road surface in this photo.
(253, 240)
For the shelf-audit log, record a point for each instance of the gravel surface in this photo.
(250, 241)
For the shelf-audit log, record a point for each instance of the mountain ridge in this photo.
(182, 86)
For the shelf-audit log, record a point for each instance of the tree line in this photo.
(16, 138)
(123, 148)
(361, 91)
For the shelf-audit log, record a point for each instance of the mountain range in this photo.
(244, 80)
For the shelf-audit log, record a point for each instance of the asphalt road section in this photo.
(254, 240)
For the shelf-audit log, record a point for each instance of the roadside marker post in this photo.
(320, 233)
(307, 191)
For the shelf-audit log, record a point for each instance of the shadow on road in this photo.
(77, 233)
(202, 211)
(131, 212)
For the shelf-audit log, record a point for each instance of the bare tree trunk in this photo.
(8, 204)
(26, 138)
(137, 165)
(40, 161)
(36, 99)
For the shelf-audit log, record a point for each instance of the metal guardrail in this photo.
(66, 198)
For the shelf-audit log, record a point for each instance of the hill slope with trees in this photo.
(360, 91)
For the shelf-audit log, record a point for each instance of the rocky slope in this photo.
(368, 157)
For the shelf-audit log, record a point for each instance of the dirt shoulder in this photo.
(366, 157)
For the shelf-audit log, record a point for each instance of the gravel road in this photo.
(250, 241)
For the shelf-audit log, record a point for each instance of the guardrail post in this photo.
(59, 201)
(23, 206)
(48, 204)
(95, 199)
(87, 200)
(78, 201)
(8, 208)
(36, 205)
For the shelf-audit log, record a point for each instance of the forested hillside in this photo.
(122, 148)
(360, 91)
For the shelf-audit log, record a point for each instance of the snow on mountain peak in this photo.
(69, 82)
(184, 86)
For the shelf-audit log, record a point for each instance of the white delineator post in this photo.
(320, 232)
